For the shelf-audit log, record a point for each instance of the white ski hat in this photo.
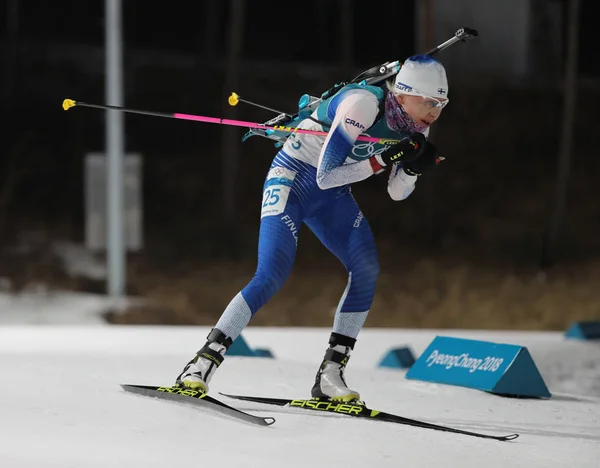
(422, 75)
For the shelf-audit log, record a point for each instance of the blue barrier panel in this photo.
(398, 358)
(240, 348)
(263, 352)
(588, 330)
(502, 369)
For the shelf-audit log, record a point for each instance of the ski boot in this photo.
(198, 372)
(329, 382)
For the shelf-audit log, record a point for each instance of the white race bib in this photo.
(276, 191)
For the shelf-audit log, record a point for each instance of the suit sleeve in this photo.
(354, 113)
(400, 184)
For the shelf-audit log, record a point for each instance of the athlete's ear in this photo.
(400, 98)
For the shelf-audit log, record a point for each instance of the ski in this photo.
(362, 411)
(197, 398)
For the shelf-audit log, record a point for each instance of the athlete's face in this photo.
(423, 110)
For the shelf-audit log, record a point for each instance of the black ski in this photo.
(197, 398)
(361, 411)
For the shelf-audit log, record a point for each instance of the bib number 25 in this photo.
(276, 191)
(271, 197)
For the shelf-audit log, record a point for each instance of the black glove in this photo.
(425, 161)
(405, 150)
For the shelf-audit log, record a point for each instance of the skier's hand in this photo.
(405, 150)
(425, 161)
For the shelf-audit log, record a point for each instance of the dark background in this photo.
(469, 248)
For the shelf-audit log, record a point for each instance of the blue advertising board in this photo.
(502, 369)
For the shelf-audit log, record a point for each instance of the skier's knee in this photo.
(262, 287)
(271, 281)
(366, 269)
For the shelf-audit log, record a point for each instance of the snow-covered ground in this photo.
(61, 404)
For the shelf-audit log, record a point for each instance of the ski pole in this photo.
(69, 103)
(234, 99)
